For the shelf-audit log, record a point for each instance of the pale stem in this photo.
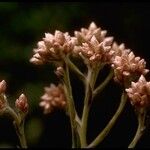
(103, 84)
(74, 68)
(110, 124)
(90, 82)
(140, 129)
(19, 126)
(71, 107)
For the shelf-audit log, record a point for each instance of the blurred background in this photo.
(24, 24)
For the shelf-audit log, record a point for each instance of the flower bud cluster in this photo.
(126, 64)
(53, 97)
(21, 103)
(94, 47)
(139, 93)
(53, 47)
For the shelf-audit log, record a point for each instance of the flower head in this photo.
(54, 97)
(93, 46)
(53, 47)
(125, 64)
(139, 93)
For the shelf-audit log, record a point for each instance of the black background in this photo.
(24, 24)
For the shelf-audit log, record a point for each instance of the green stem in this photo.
(86, 109)
(71, 107)
(140, 129)
(84, 126)
(110, 124)
(21, 134)
(78, 120)
(103, 84)
(19, 126)
(90, 82)
(74, 68)
(8, 110)
(24, 143)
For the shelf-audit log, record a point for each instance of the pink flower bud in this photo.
(59, 71)
(2, 86)
(92, 26)
(22, 103)
(36, 61)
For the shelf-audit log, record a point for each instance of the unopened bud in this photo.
(92, 26)
(22, 103)
(103, 33)
(108, 41)
(59, 71)
(36, 61)
(2, 86)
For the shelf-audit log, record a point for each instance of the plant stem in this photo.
(86, 109)
(140, 129)
(71, 107)
(103, 84)
(91, 79)
(75, 69)
(21, 134)
(84, 126)
(19, 126)
(110, 124)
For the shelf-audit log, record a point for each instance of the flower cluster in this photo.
(93, 46)
(125, 64)
(139, 93)
(90, 43)
(53, 47)
(54, 97)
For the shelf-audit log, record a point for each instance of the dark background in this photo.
(24, 24)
